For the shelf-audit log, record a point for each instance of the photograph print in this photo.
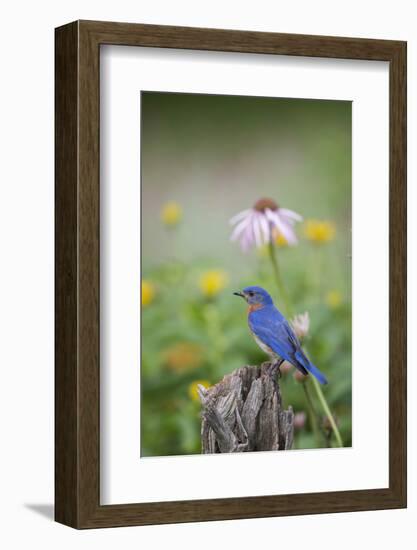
(246, 341)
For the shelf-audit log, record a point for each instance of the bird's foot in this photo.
(274, 368)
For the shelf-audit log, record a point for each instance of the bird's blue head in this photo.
(255, 296)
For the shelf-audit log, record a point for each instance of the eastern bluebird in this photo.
(273, 333)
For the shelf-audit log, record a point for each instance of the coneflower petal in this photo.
(263, 222)
(246, 240)
(241, 226)
(290, 214)
(257, 230)
(285, 229)
(239, 216)
(270, 216)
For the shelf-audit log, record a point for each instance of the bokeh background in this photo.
(204, 159)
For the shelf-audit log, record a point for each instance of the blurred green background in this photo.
(204, 159)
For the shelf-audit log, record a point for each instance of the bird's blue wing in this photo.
(273, 329)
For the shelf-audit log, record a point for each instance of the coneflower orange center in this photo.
(262, 204)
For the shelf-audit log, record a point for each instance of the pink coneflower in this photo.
(255, 226)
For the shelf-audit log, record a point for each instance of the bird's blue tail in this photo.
(308, 365)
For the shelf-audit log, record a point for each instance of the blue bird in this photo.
(273, 333)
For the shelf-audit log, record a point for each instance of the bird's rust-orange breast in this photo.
(254, 307)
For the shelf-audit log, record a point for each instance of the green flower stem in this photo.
(311, 412)
(278, 279)
(326, 409)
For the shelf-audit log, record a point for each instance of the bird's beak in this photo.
(239, 294)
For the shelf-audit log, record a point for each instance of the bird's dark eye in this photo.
(251, 293)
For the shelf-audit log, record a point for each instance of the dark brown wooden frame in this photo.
(77, 405)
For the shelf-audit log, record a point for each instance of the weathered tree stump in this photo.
(243, 412)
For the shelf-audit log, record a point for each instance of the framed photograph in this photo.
(230, 274)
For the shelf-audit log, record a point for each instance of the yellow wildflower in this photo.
(320, 231)
(193, 388)
(171, 214)
(183, 356)
(148, 293)
(212, 282)
(280, 240)
(333, 299)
